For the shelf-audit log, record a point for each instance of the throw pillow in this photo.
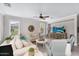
(25, 43)
(18, 43)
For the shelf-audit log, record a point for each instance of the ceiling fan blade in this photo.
(46, 17)
(35, 17)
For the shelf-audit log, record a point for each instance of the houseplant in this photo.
(9, 38)
(31, 51)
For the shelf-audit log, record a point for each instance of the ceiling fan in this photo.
(42, 17)
(7, 4)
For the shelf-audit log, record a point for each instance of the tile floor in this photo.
(75, 51)
(42, 49)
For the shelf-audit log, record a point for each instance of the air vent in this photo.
(7, 4)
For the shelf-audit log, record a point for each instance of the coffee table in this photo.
(41, 42)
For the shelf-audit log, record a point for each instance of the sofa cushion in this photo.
(24, 50)
(25, 43)
(18, 44)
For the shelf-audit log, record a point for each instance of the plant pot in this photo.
(31, 53)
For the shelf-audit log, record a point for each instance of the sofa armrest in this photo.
(22, 51)
(68, 50)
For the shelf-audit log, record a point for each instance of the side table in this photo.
(41, 42)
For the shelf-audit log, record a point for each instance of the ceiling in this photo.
(56, 10)
(21, 9)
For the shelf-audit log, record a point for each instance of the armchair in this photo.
(58, 47)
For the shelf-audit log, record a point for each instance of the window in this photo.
(14, 28)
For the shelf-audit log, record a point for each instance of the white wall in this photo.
(24, 23)
(1, 27)
(70, 24)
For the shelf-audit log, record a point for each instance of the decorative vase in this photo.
(31, 53)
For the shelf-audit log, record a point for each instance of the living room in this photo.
(36, 29)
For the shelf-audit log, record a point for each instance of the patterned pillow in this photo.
(58, 29)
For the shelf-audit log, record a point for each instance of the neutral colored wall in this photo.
(24, 23)
(1, 10)
(77, 27)
(68, 25)
(78, 20)
(1, 27)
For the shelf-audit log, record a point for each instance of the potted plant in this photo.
(9, 38)
(31, 51)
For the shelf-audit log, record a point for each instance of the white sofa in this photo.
(71, 41)
(58, 47)
(21, 50)
(20, 47)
